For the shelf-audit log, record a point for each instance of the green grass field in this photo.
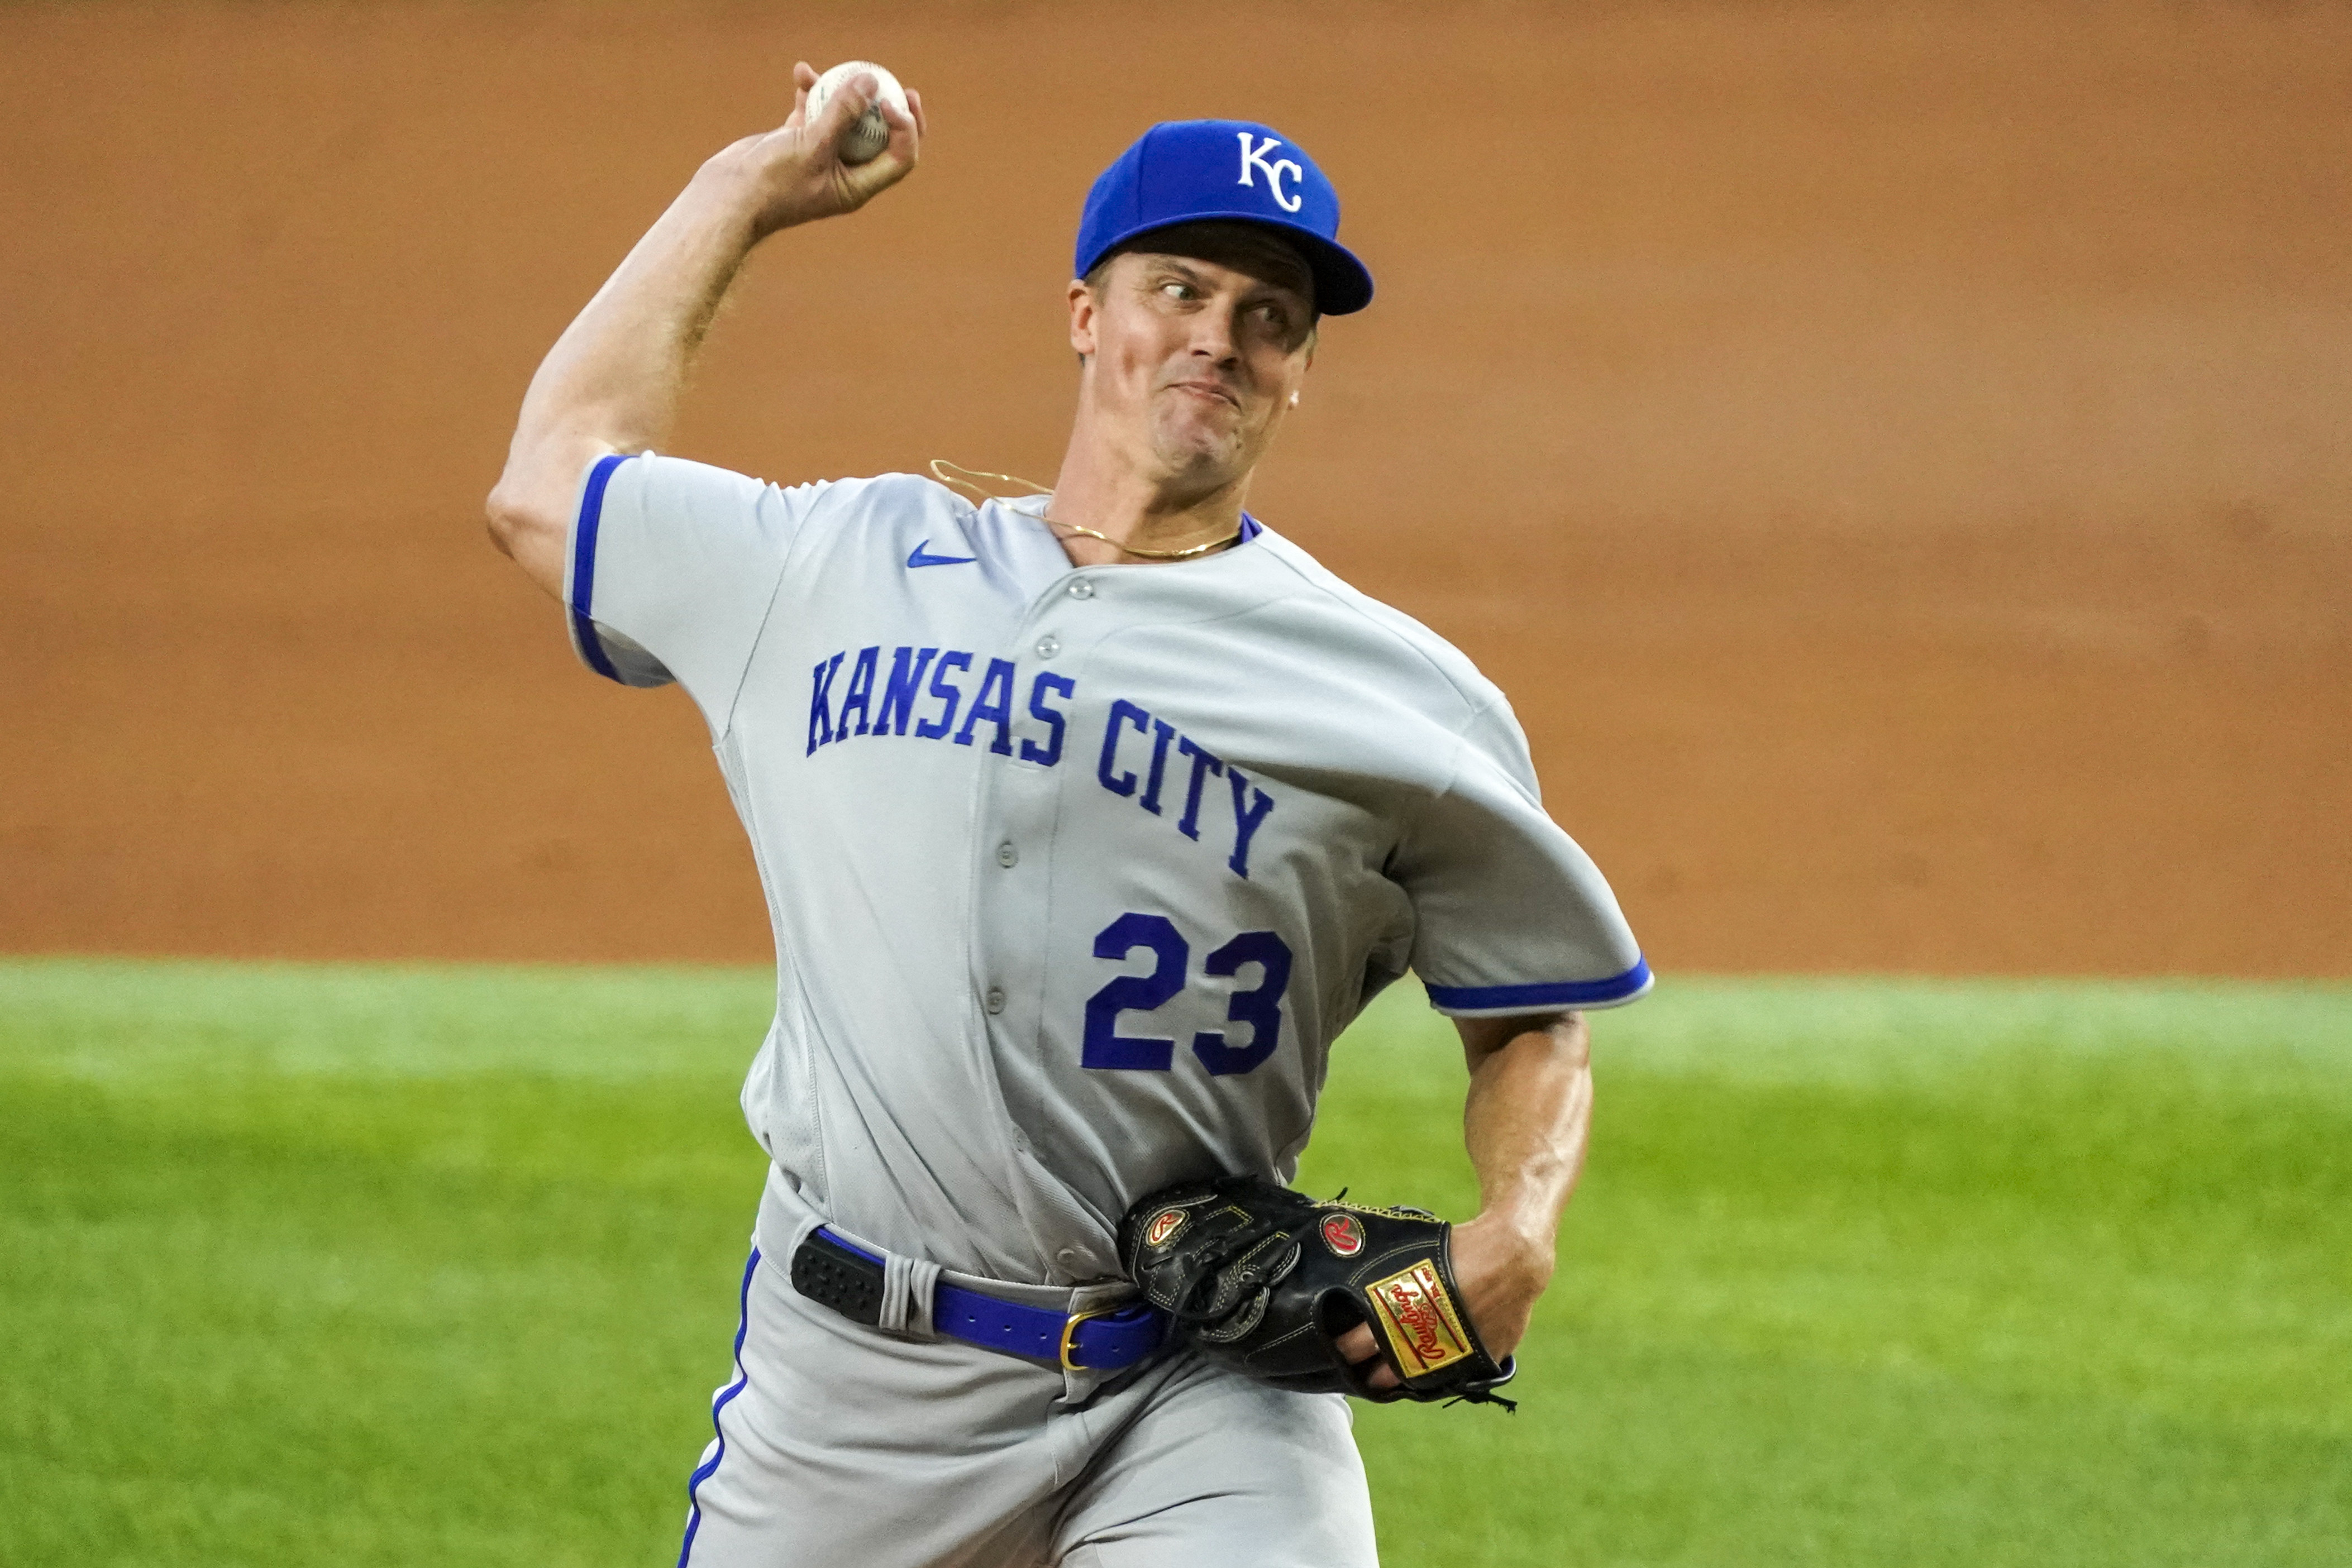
(361, 1266)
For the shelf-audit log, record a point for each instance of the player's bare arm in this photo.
(1526, 1123)
(612, 382)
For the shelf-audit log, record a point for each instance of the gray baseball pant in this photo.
(840, 1446)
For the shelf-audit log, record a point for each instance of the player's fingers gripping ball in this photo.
(869, 133)
(1263, 1280)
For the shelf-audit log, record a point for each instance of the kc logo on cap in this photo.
(1274, 172)
(1225, 171)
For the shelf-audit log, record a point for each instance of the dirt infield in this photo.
(1897, 458)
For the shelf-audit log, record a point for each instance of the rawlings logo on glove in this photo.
(1263, 1280)
(1418, 1321)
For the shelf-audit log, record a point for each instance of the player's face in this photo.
(1195, 356)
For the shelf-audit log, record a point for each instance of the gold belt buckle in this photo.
(1070, 1332)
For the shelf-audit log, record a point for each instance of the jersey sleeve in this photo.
(1510, 915)
(671, 571)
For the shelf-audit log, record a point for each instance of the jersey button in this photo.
(1007, 856)
(1048, 646)
(995, 998)
(1082, 589)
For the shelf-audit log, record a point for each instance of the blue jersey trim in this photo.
(583, 565)
(710, 1465)
(1547, 993)
(1251, 528)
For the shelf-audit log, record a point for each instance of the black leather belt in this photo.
(848, 1279)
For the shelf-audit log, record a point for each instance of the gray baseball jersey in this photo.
(1076, 872)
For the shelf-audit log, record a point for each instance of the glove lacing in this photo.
(1231, 1247)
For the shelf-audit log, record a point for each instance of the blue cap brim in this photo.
(1342, 284)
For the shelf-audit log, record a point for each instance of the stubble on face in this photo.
(1215, 323)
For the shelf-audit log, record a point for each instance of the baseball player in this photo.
(1087, 820)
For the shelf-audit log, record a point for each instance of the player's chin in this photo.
(1205, 441)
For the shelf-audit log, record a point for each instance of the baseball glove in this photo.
(1262, 1278)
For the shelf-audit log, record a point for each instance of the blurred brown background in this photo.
(1896, 457)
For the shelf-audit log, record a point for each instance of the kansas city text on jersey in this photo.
(859, 708)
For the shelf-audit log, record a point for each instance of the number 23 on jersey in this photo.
(1258, 1007)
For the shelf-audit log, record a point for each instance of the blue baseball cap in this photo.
(1195, 170)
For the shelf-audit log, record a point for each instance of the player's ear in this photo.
(1082, 317)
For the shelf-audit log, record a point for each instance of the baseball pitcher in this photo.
(1087, 818)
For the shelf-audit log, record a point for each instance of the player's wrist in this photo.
(1512, 1241)
(739, 188)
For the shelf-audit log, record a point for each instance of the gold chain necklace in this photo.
(947, 472)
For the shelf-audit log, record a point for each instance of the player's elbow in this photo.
(497, 515)
(512, 516)
(530, 529)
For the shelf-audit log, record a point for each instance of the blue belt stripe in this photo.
(1106, 1344)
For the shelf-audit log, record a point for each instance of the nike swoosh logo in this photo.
(921, 559)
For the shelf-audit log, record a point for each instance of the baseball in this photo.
(864, 140)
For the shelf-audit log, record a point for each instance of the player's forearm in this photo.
(1526, 1123)
(614, 379)
(615, 375)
